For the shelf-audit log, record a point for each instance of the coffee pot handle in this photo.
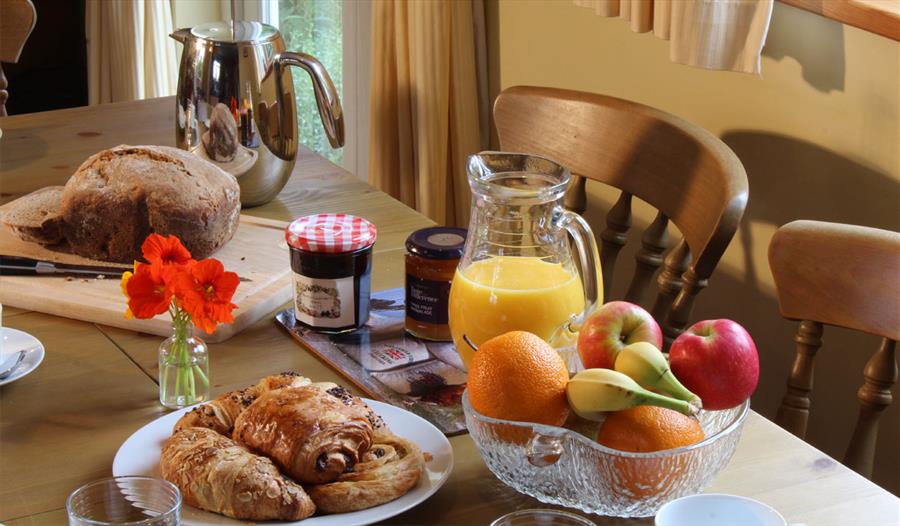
(326, 96)
(588, 262)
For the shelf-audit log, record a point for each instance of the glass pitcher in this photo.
(517, 271)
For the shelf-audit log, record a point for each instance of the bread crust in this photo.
(309, 434)
(119, 196)
(35, 217)
(216, 474)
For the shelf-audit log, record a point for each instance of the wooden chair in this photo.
(848, 276)
(692, 178)
(17, 19)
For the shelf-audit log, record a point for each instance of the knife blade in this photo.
(21, 266)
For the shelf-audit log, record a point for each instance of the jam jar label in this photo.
(324, 302)
(427, 301)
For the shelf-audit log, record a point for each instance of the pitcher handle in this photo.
(326, 96)
(588, 257)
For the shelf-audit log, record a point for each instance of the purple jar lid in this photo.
(437, 242)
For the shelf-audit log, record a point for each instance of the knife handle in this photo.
(18, 266)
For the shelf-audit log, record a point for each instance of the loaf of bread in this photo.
(35, 217)
(119, 196)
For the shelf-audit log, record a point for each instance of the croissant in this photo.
(311, 435)
(219, 414)
(215, 474)
(387, 471)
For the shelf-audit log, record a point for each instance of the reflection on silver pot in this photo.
(235, 103)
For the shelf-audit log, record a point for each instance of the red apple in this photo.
(717, 360)
(610, 328)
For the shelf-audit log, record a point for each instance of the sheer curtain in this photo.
(712, 34)
(424, 104)
(130, 54)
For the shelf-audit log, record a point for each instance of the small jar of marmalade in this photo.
(331, 256)
(432, 255)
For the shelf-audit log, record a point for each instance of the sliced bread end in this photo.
(35, 217)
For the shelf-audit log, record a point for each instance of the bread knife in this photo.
(20, 266)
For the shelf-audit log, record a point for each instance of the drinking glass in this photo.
(132, 501)
(541, 517)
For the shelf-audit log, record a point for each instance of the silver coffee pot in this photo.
(235, 103)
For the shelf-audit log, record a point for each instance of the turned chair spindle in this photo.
(794, 411)
(614, 237)
(17, 19)
(690, 177)
(846, 276)
(649, 258)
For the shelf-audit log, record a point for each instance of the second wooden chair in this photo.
(691, 177)
(847, 276)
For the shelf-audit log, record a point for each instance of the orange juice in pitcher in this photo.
(517, 272)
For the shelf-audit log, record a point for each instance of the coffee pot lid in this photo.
(238, 32)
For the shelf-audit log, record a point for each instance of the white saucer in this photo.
(14, 341)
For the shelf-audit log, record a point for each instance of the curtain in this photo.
(424, 104)
(130, 54)
(712, 34)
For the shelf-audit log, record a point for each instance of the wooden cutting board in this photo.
(258, 253)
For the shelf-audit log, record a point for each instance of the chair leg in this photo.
(793, 414)
(874, 397)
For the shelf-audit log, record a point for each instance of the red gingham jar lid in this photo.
(330, 233)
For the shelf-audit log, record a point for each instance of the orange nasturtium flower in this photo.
(165, 250)
(148, 294)
(204, 289)
(173, 279)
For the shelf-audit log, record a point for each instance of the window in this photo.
(336, 32)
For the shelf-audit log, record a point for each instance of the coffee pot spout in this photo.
(181, 35)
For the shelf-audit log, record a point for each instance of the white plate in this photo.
(14, 341)
(139, 455)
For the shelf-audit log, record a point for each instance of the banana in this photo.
(648, 366)
(593, 392)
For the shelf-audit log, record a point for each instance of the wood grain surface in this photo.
(876, 16)
(61, 425)
(256, 253)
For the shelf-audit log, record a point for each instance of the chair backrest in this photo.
(848, 276)
(17, 19)
(691, 177)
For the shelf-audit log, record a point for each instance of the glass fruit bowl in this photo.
(563, 466)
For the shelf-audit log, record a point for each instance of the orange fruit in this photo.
(518, 376)
(646, 429)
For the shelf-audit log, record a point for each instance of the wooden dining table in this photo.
(61, 425)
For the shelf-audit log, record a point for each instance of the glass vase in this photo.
(183, 368)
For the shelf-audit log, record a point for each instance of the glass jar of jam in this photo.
(331, 259)
(432, 255)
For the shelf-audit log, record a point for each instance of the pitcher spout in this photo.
(181, 35)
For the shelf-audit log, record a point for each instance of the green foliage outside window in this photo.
(314, 27)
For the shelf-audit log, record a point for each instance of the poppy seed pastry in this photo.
(119, 196)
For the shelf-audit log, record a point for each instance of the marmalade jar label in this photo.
(426, 300)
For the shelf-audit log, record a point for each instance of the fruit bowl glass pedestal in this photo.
(562, 466)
